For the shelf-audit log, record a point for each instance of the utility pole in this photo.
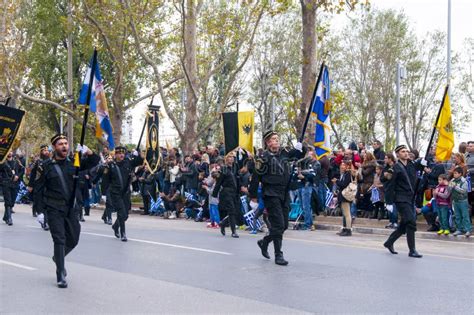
(449, 44)
(401, 74)
(70, 119)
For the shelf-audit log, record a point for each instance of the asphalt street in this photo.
(179, 266)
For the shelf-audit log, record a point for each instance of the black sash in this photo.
(66, 191)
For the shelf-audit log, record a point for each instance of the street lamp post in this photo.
(401, 74)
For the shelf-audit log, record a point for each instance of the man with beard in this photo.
(273, 172)
(54, 187)
(11, 173)
(116, 178)
(44, 156)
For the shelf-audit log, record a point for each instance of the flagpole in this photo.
(436, 122)
(144, 125)
(449, 44)
(84, 125)
(310, 107)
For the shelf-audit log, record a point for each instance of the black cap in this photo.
(268, 134)
(120, 149)
(57, 137)
(400, 147)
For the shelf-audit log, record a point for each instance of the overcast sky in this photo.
(424, 16)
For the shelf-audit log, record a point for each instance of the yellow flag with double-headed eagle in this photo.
(445, 144)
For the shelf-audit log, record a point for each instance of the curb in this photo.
(378, 231)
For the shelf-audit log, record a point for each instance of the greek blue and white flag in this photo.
(189, 196)
(329, 196)
(244, 203)
(249, 218)
(375, 196)
(155, 204)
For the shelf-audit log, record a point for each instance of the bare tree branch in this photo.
(150, 62)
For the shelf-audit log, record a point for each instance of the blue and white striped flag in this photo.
(249, 217)
(189, 196)
(375, 195)
(244, 203)
(329, 196)
(154, 205)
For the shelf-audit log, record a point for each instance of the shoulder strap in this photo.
(404, 171)
(120, 177)
(66, 191)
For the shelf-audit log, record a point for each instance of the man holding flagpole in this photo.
(54, 189)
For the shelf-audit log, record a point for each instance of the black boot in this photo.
(390, 248)
(87, 211)
(223, 224)
(104, 218)
(232, 226)
(411, 244)
(60, 270)
(122, 232)
(81, 217)
(115, 227)
(8, 213)
(279, 259)
(413, 253)
(263, 244)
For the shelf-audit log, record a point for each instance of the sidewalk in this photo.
(373, 226)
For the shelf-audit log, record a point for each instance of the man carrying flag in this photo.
(54, 189)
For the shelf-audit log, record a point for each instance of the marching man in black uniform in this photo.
(116, 178)
(403, 184)
(10, 174)
(44, 156)
(229, 201)
(54, 187)
(273, 172)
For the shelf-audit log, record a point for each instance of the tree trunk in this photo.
(308, 75)
(190, 63)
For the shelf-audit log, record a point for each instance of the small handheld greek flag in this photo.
(329, 196)
(154, 205)
(249, 218)
(375, 196)
(245, 205)
(189, 196)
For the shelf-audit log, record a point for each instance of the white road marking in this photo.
(165, 244)
(16, 265)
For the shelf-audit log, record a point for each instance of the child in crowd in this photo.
(441, 194)
(378, 194)
(458, 186)
(209, 184)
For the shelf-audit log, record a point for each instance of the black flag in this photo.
(152, 157)
(10, 122)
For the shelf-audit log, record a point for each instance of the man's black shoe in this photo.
(280, 260)
(263, 248)
(415, 254)
(124, 238)
(116, 230)
(433, 228)
(235, 235)
(222, 229)
(390, 248)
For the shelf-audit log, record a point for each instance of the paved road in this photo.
(182, 267)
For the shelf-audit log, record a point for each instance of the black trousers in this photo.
(407, 225)
(9, 196)
(121, 203)
(229, 203)
(64, 227)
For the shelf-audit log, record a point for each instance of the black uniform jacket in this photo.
(8, 170)
(48, 186)
(404, 182)
(117, 175)
(272, 170)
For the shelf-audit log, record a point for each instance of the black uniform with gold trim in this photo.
(272, 171)
(10, 174)
(54, 187)
(116, 179)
